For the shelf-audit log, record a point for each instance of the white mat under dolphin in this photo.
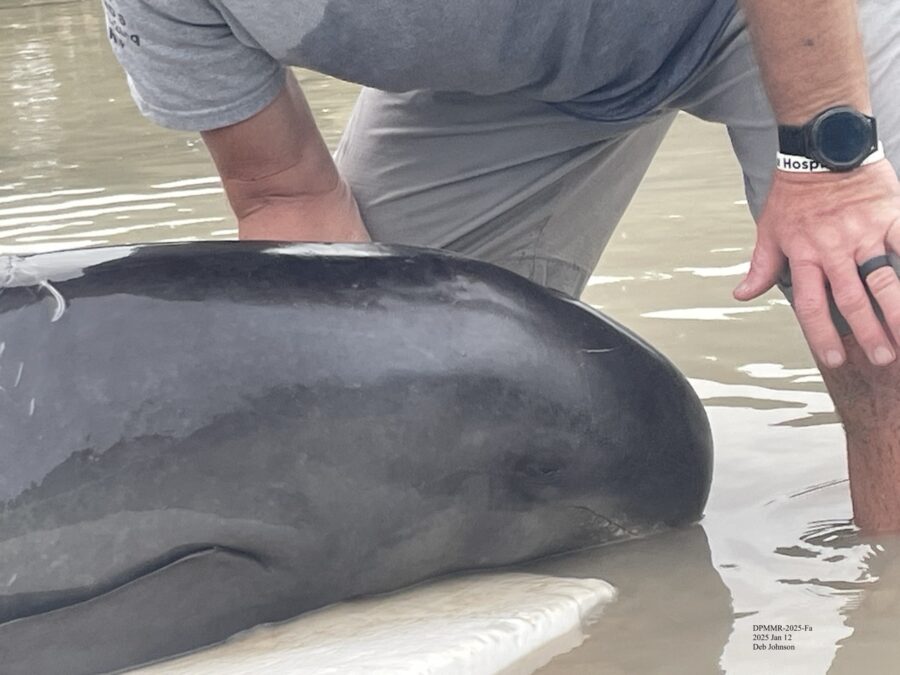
(507, 623)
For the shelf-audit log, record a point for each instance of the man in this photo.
(517, 131)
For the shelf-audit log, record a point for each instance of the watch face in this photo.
(842, 138)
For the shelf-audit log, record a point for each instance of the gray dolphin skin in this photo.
(199, 438)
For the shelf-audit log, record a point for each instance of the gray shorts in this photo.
(517, 183)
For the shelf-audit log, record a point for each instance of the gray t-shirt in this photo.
(203, 64)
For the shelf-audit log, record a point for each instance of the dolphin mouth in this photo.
(20, 606)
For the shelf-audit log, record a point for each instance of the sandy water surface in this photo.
(79, 167)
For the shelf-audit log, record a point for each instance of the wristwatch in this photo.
(838, 139)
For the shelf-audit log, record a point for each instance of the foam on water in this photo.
(487, 623)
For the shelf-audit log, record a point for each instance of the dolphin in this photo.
(199, 438)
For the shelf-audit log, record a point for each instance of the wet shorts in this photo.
(518, 183)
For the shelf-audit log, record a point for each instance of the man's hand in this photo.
(280, 178)
(826, 225)
(330, 216)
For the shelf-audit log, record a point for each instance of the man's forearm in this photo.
(280, 178)
(810, 54)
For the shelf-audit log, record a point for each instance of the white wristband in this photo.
(801, 164)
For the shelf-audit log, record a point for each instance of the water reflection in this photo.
(658, 624)
(79, 167)
(874, 615)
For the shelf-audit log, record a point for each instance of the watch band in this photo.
(792, 140)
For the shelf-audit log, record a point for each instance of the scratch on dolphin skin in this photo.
(60, 300)
(31, 408)
(598, 351)
(16, 271)
(19, 375)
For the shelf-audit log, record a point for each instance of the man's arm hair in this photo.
(279, 176)
(810, 53)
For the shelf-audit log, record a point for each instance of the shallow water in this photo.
(79, 167)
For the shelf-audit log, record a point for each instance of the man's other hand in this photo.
(329, 216)
(825, 225)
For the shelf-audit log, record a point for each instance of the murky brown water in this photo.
(79, 167)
